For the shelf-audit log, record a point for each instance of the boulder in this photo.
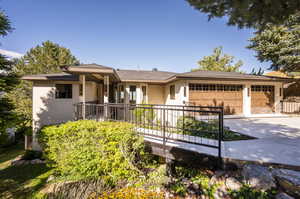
(258, 177)
(221, 193)
(283, 196)
(233, 184)
(17, 162)
(289, 180)
(36, 161)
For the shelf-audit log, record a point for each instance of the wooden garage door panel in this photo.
(231, 100)
(262, 101)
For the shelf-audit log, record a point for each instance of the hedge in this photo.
(83, 149)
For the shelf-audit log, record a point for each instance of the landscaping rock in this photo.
(258, 177)
(283, 196)
(17, 162)
(221, 193)
(233, 184)
(50, 178)
(289, 180)
(36, 161)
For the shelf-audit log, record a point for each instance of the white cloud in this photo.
(10, 54)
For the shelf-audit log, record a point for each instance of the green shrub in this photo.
(247, 192)
(83, 149)
(144, 114)
(207, 129)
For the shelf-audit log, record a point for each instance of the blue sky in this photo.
(135, 34)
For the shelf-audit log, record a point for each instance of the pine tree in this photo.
(280, 45)
(248, 13)
(7, 82)
(42, 59)
(219, 62)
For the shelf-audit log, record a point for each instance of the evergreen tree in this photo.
(248, 13)
(46, 58)
(219, 62)
(7, 82)
(279, 45)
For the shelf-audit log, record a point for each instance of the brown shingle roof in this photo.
(96, 66)
(143, 75)
(224, 75)
(54, 76)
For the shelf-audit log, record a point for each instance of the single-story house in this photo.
(54, 95)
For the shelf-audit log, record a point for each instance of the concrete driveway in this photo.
(278, 140)
(276, 127)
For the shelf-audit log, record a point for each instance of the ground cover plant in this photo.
(208, 129)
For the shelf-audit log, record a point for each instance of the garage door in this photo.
(228, 96)
(262, 99)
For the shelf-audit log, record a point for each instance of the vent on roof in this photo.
(154, 69)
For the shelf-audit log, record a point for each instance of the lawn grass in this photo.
(20, 181)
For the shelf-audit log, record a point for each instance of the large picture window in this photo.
(172, 92)
(63, 91)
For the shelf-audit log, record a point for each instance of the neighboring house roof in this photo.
(71, 74)
(143, 75)
(282, 74)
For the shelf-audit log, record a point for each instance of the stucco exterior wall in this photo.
(156, 94)
(90, 92)
(46, 109)
(180, 99)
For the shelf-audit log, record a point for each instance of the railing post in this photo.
(220, 137)
(164, 129)
(105, 111)
(124, 112)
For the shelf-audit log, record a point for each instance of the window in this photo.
(121, 94)
(80, 90)
(184, 91)
(172, 92)
(144, 92)
(132, 94)
(63, 91)
(280, 92)
(262, 88)
(215, 87)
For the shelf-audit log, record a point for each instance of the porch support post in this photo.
(106, 96)
(83, 97)
(247, 100)
(106, 89)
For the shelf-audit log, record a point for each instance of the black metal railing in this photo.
(288, 107)
(200, 125)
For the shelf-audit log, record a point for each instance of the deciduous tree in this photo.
(219, 62)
